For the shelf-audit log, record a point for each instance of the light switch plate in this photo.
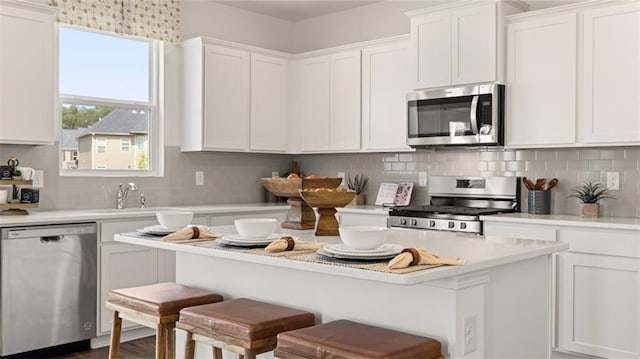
(199, 178)
(422, 179)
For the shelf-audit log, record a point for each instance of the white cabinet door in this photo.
(611, 76)
(474, 44)
(313, 107)
(344, 124)
(122, 266)
(385, 83)
(269, 103)
(27, 67)
(599, 305)
(226, 98)
(541, 81)
(431, 46)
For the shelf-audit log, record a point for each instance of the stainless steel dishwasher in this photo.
(48, 289)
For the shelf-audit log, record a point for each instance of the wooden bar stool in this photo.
(243, 326)
(155, 306)
(350, 340)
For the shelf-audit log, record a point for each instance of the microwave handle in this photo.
(473, 114)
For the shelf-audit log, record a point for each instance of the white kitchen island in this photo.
(502, 295)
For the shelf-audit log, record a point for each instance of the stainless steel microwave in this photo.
(467, 116)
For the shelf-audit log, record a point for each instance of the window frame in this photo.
(154, 108)
(101, 142)
(128, 142)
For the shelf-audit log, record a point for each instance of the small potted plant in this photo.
(359, 184)
(17, 175)
(590, 193)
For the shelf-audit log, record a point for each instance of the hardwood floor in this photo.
(137, 349)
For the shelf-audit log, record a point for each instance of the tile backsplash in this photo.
(235, 177)
(570, 166)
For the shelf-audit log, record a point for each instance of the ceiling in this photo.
(295, 10)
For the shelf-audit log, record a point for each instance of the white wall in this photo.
(370, 22)
(211, 19)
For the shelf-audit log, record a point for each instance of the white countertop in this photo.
(478, 252)
(86, 215)
(630, 223)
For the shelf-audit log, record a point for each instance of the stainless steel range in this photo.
(457, 203)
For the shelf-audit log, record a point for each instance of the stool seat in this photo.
(244, 326)
(352, 340)
(161, 299)
(155, 306)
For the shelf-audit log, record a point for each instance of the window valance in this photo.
(155, 19)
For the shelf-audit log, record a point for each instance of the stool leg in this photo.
(217, 353)
(248, 354)
(114, 346)
(189, 346)
(170, 341)
(161, 341)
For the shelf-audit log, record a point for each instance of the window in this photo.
(109, 96)
(125, 143)
(101, 145)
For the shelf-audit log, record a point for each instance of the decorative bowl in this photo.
(284, 187)
(327, 199)
(363, 237)
(255, 227)
(174, 219)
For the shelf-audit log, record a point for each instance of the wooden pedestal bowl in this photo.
(300, 215)
(327, 202)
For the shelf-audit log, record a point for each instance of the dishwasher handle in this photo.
(48, 239)
(48, 231)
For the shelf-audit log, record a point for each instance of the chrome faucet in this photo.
(122, 193)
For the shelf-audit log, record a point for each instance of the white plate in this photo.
(386, 250)
(238, 240)
(342, 248)
(360, 257)
(159, 230)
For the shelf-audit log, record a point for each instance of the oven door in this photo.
(471, 115)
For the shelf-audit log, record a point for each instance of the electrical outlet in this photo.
(422, 179)
(613, 181)
(38, 179)
(470, 335)
(274, 174)
(199, 178)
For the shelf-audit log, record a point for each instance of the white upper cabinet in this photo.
(328, 105)
(574, 77)
(269, 103)
(28, 64)
(431, 45)
(215, 102)
(344, 126)
(611, 75)
(459, 43)
(541, 81)
(313, 106)
(385, 82)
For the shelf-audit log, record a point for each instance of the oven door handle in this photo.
(473, 114)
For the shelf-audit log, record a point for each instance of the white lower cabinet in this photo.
(597, 291)
(599, 305)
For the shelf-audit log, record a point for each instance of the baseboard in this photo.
(125, 336)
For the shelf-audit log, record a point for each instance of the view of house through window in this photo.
(107, 102)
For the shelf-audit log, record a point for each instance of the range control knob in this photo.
(451, 225)
(414, 222)
(463, 226)
(432, 223)
(403, 221)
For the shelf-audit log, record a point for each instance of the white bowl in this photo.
(174, 219)
(256, 227)
(363, 237)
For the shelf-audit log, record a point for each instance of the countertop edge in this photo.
(621, 223)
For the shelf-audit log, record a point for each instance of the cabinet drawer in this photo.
(623, 243)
